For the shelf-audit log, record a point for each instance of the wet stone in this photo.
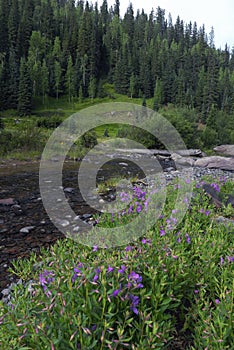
(27, 229)
(7, 201)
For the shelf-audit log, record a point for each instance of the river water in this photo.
(24, 223)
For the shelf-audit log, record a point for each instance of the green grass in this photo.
(168, 289)
(52, 109)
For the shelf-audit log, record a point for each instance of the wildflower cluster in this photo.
(46, 278)
(148, 294)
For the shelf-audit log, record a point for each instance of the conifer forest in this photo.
(62, 47)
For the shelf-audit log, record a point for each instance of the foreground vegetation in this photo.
(169, 289)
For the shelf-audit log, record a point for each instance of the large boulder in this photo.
(217, 162)
(228, 150)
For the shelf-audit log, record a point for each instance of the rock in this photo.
(7, 201)
(217, 162)
(163, 153)
(63, 223)
(27, 229)
(230, 200)
(190, 153)
(227, 222)
(182, 160)
(213, 194)
(86, 216)
(5, 291)
(123, 164)
(169, 169)
(17, 209)
(69, 189)
(228, 150)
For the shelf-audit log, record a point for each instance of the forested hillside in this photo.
(57, 47)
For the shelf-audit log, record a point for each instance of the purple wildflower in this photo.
(139, 208)
(146, 241)
(128, 248)
(162, 233)
(230, 258)
(95, 248)
(175, 257)
(117, 291)
(188, 239)
(136, 279)
(217, 301)
(221, 260)
(96, 276)
(123, 268)
(124, 197)
(135, 301)
(216, 187)
(110, 269)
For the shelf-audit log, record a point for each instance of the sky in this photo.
(219, 14)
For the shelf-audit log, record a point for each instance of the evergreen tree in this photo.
(44, 80)
(57, 77)
(69, 80)
(25, 90)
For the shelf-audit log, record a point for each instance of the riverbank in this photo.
(25, 225)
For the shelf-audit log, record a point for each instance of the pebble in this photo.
(27, 229)
(63, 223)
(69, 189)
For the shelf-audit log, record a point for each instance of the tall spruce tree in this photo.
(25, 90)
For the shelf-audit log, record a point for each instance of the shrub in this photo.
(89, 139)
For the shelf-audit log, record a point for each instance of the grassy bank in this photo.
(25, 137)
(169, 289)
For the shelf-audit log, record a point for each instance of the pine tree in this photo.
(92, 88)
(57, 77)
(69, 79)
(44, 80)
(25, 90)
(158, 93)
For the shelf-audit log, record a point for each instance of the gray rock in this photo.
(27, 229)
(7, 201)
(228, 150)
(63, 223)
(190, 153)
(169, 169)
(182, 160)
(69, 189)
(227, 222)
(216, 162)
(87, 216)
